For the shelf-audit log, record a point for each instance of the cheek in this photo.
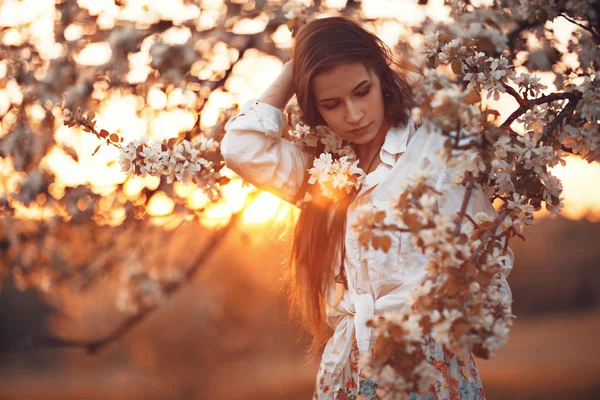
(332, 118)
(377, 97)
(379, 103)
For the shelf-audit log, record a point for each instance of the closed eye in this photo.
(361, 94)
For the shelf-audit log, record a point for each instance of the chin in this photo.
(365, 138)
(361, 140)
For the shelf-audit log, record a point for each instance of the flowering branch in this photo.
(542, 100)
(465, 203)
(88, 124)
(197, 160)
(561, 117)
(510, 90)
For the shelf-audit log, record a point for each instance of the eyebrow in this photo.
(356, 87)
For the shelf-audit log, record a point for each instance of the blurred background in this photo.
(227, 333)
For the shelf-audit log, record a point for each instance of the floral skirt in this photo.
(459, 378)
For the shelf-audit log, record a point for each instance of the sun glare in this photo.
(160, 204)
(265, 207)
(581, 184)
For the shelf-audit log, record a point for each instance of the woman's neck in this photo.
(366, 153)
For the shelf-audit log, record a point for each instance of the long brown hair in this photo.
(319, 234)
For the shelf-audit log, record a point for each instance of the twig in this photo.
(542, 100)
(465, 203)
(93, 346)
(515, 233)
(561, 116)
(475, 224)
(490, 230)
(510, 90)
(587, 28)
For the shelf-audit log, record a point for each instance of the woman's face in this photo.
(350, 100)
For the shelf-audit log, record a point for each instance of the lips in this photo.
(360, 130)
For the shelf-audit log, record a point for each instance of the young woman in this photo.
(345, 78)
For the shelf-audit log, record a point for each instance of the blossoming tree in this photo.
(476, 57)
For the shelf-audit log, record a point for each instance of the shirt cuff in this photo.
(258, 116)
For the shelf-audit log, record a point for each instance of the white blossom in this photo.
(304, 135)
(335, 177)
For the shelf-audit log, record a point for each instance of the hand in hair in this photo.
(282, 89)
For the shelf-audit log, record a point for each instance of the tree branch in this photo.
(475, 224)
(488, 231)
(595, 34)
(95, 345)
(542, 100)
(510, 90)
(465, 203)
(561, 116)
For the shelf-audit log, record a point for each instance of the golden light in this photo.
(10, 178)
(168, 124)
(133, 187)
(94, 54)
(217, 100)
(36, 112)
(581, 184)
(406, 11)
(12, 37)
(14, 92)
(183, 190)
(97, 7)
(33, 212)
(234, 198)
(208, 19)
(263, 208)
(390, 31)
(212, 4)
(139, 63)
(282, 37)
(4, 104)
(186, 99)
(222, 57)
(156, 98)
(73, 32)
(118, 112)
(197, 200)
(335, 4)
(252, 75)
(176, 35)
(160, 204)
(247, 26)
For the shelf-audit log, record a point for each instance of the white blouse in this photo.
(377, 281)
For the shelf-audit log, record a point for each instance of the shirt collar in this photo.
(396, 141)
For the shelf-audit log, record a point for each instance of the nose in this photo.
(353, 113)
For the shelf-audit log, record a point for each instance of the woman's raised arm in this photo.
(253, 146)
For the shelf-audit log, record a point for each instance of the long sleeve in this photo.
(254, 149)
